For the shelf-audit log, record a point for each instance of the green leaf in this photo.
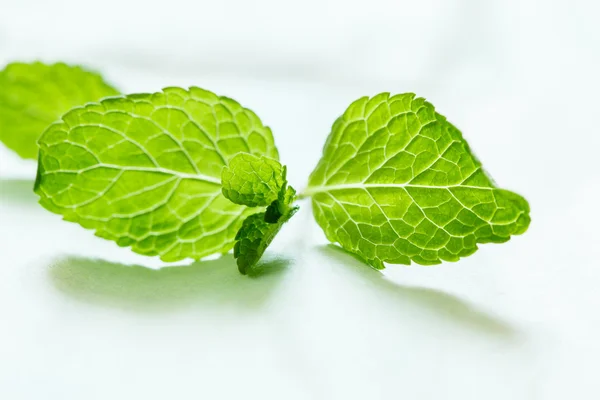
(398, 183)
(144, 170)
(252, 180)
(32, 96)
(254, 237)
(258, 181)
(287, 196)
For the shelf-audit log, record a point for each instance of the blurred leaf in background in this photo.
(32, 96)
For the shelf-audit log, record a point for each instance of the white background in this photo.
(81, 318)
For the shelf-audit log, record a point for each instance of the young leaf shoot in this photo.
(258, 182)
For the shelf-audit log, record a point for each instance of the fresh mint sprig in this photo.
(186, 173)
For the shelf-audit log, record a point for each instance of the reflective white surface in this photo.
(81, 318)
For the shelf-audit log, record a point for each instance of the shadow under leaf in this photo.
(435, 301)
(212, 282)
(17, 191)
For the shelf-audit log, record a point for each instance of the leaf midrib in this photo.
(183, 175)
(312, 190)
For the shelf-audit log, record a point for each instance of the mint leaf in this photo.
(398, 183)
(32, 96)
(254, 237)
(252, 180)
(258, 181)
(144, 170)
(287, 196)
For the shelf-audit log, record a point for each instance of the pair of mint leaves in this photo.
(186, 173)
